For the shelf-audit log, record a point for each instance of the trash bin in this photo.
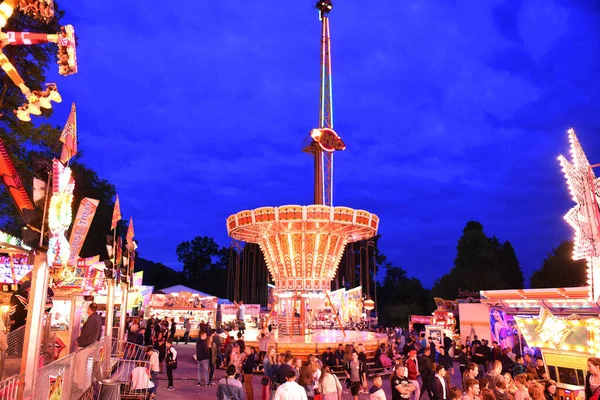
(110, 390)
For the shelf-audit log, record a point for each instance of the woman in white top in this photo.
(329, 385)
(140, 380)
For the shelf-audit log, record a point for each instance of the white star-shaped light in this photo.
(584, 217)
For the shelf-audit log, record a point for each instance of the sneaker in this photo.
(209, 384)
(199, 384)
(170, 388)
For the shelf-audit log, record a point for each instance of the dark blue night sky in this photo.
(451, 111)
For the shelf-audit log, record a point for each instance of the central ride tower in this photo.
(303, 245)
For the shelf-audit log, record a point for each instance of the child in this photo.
(376, 392)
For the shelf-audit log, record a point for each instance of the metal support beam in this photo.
(110, 307)
(122, 321)
(34, 325)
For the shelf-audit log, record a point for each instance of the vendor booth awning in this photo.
(182, 288)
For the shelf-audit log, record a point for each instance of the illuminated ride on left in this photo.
(64, 39)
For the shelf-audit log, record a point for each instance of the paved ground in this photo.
(185, 380)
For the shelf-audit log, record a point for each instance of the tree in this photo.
(159, 275)
(400, 296)
(510, 268)
(560, 270)
(398, 288)
(205, 264)
(397, 314)
(476, 266)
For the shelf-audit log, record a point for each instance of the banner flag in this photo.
(81, 226)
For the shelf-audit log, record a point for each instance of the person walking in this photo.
(188, 326)
(230, 388)
(154, 363)
(413, 373)
(172, 330)
(439, 385)
(202, 357)
(356, 373)
(171, 359)
(329, 385)
(240, 316)
(248, 371)
(290, 390)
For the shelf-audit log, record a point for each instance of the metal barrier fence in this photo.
(132, 384)
(74, 373)
(10, 364)
(10, 360)
(9, 388)
(127, 350)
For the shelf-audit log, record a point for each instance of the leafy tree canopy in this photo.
(480, 263)
(205, 264)
(560, 270)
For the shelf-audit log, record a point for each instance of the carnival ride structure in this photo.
(303, 245)
(64, 39)
(564, 322)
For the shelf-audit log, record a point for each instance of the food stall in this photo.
(229, 313)
(181, 306)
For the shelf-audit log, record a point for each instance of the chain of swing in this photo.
(248, 275)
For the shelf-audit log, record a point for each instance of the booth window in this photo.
(570, 376)
(552, 372)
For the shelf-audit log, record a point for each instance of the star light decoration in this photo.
(551, 329)
(584, 217)
(67, 60)
(561, 333)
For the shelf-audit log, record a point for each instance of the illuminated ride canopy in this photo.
(302, 245)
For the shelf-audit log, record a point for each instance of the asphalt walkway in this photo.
(186, 385)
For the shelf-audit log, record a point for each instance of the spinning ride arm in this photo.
(12, 182)
(65, 39)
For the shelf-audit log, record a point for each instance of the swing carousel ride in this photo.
(303, 245)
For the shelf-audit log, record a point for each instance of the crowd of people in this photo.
(413, 365)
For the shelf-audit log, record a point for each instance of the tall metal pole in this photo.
(34, 326)
(110, 307)
(122, 321)
(323, 154)
(326, 115)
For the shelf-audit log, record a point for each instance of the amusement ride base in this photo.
(317, 342)
(302, 245)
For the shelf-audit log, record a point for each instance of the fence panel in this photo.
(123, 374)
(78, 371)
(9, 388)
(60, 369)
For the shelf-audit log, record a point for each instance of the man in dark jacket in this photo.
(426, 371)
(439, 386)
(445, 360)
(329, 358)
(202, 357)
(92, 328)
(279, 375)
